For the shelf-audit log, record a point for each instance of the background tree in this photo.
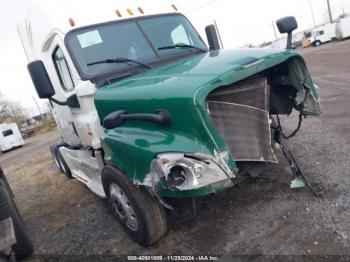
(10, 111)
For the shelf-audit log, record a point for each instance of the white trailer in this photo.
(10, 137)
(342, 27)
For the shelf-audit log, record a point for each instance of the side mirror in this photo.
(41, 79)
(287, 25)
(212, 37)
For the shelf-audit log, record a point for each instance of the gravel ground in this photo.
(259, 217)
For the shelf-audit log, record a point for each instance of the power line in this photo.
(258, 30)
(201, 6)
(249, 35)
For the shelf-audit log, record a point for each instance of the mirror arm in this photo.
(289, 40)
(58, 102)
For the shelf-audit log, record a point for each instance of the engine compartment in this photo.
(242, 111)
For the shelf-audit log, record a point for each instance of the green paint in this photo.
(179, 87)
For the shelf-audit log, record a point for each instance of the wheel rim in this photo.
(122, 207)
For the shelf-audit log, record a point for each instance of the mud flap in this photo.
(293, 162)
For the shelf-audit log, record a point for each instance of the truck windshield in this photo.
(146, 40)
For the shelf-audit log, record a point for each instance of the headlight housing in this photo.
(187, 172)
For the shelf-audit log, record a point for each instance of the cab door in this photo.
(79, 124)
(64, 82)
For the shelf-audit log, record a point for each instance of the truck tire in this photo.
(139, 213)
(24, 247)
(65, 168)
(54, 153)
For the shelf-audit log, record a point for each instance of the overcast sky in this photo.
(240, 22)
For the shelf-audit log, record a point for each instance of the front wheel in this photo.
(139, 213)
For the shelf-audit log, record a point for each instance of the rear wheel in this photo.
(140, 214)
(8, 208)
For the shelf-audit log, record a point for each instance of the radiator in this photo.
(240, 114)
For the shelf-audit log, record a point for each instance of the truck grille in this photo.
(240, 113)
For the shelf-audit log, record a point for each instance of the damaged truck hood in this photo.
(180, 88)
(179, 81)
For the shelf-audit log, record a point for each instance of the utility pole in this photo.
(274, 29)
(329, 12)
(312, 13)
(37, 106)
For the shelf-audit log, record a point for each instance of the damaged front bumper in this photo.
(189, 175)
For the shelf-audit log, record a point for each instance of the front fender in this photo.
(134, 145)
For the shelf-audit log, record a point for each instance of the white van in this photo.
(10, 137)
(320, 35)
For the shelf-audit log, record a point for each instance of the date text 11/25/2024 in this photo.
(173, 258)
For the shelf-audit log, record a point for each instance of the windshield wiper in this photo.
(118, 60)
(180, 45)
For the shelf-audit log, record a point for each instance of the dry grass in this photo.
(46, 127)
(43, 193)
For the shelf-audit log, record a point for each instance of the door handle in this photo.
(117, 118)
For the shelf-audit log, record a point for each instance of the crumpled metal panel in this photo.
(240, 115)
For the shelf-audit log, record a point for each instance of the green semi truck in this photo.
(147, 111)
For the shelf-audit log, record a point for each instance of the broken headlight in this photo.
(187, 172)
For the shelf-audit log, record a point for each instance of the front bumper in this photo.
(188, 175)
(207, 190)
